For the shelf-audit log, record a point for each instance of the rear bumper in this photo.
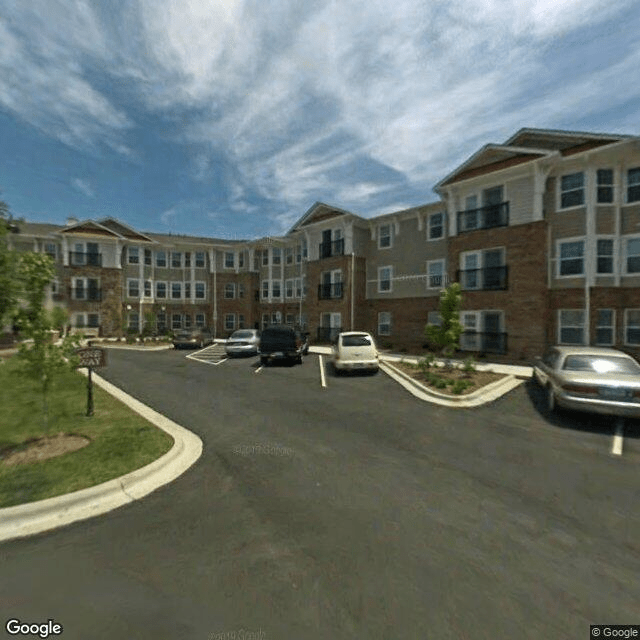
(603, 407)
(241, 350)
(348, 365)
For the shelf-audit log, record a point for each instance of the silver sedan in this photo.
(243, 342)
(595, 379)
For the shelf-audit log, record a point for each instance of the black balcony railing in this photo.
(80, 259)
(328, 334)
(485, 342)
(493, 215)
(330, 291)
(329, 249)
(87, 294)
(489, 278)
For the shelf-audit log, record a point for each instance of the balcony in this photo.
(331, 291)
(81, 259)
(486, 342)
(494, 215)
(85, 294)
(328, 334)
(330, 249)
(487, 279)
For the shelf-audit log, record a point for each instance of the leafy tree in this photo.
(42, 359)
(447, 335)
(8, 268)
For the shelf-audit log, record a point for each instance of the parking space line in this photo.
(259, 369)
(220, 361)
(616, 449)
(323, 382)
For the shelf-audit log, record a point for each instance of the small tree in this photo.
(59, 319)
(42, 358)
(447, 335)
(8, 268)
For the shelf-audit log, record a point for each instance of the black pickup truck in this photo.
(283, 342)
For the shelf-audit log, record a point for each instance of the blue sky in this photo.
(232, 118)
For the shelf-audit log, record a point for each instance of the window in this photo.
(298, 253)
(435, 274)
(571, 326)
(134, 320)
(79, 320)
(434, 317)
(288, 288)
(572, 190)
(148, 291)
(187, 259)
(229, 260)
(229, 290)
(176, 321)
(605, 256)
(470, 219)
(298, 284)
(86, 289)
(384, 236)
(241, 259)
(133, 288)
(187, 290)
(276, 255)
(276, 286)
(200, 320)
(288, 255)
(384, 279)
(200, 291)
(633, 255)
(161, 289)
(161, 259)
(187, 321)
(161, 321)
(304, 249)
(50, 249)
(78, 289)
(265, 257)
(240, 291)
(176, 259)
(605, 323)
(633, 185)
(276, 317)
(632, 326)
(436, 226)
(55, 287)
(265, 288)
(265, 320)
(133, 255)
(240, 321)
(93, 320)
(147, 257)
(200, 259)
(230, 321)
(571, 262)
(289, 319)
(176, 290)
(605, 185)
(384, 323)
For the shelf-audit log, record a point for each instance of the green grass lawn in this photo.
(121, 440)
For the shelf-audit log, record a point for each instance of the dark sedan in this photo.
(192, 338)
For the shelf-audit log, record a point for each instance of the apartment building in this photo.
(541, 231)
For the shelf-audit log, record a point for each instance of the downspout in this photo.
(352, 289)
(215, 290)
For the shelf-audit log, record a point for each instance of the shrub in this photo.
(469, 365)
(459, 386)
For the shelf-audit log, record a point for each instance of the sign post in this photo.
(91, 357)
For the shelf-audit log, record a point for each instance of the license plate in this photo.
(358, 365)
(613, 393)
(277, 354)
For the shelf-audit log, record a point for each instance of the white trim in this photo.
(233, 290)
(612, 326)
(559, 191)
(379, 324)
(390, 236)
(390, 289)
(614, 256)
(558, 260)
(443, 226)
(625, 254)
(560, 326)
(626, 185)
(443, 275)
(155, 289)
(129, 294)
(626, 327)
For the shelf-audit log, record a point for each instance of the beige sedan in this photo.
(594, 379)
(354, 351)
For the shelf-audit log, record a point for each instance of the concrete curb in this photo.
(44, 515)
(487, 394)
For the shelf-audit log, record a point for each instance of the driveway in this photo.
(351, 511)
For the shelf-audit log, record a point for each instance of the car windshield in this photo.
(356, 341)
(601, 364)
(242, 334)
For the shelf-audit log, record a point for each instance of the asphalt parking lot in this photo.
(351, 511)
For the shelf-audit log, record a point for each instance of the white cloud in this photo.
(83, 186)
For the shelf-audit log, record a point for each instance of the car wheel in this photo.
(264, 361)
(299, 359)
(551, 399)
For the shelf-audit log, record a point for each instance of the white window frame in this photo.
(55, 286)
(54, 253)
(583, 188)
(388, 236)
(276, 292)
(178, 286)
(434, 318)
(276, 256)
(605, 185)
(288, 255)
(172, 256)
(571, 326)
(230, 287)
(133, 255)
(229, 321)
(628, 326)
(88, 324)
(241, 321)
(136, 283)
(613, 255)
(148, 257)
(265, 257)
(240, 259)
(611, 326)
(288, 288)
(200, 285)
(158, 284)
(471, 321)
(625, 270)
(559, 260)
(628, 185)
(298, 287)
(187, 289)
(384, 323)
(289, 319)
(133, 320)
(187, 321)
(431, 226)
(148, 289)
(264, 289)
(443, 275)
(200, 259)
(380, 280)
(176, 324)
(200, 320)
(228, 254)
(158, 255)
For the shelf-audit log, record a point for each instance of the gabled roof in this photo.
(558, 140)
(123, 230)
(493, 157)
(318, 212)
(91, 227)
